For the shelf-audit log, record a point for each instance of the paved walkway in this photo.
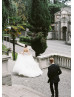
(54, 46)
(19, 91)
(40, 84)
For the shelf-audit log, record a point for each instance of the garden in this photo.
(28, 20)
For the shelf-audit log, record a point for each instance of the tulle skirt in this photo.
(26, 65)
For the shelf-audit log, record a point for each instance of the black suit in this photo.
(53, 73)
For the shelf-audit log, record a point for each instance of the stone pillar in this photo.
(6, 76)
(67, 32)
(59, 30)
(55, 33)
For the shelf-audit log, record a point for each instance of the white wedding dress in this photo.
(26, 65)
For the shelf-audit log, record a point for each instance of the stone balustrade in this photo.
(5, 59)
(61, 60)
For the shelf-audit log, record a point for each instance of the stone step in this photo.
(19, 91)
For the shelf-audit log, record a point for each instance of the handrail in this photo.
(61, 60)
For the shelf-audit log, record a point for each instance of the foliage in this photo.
(39, 20)
(25, 39)
(4, 12)
(4, 48)
(15, 20)
(14, 30)
(13, 8)
(53, 8)
(39, 16)
(22, 9)
(38, 43)
(6, 35)
(15, 55)
(8, 9)
(29, 33)
(26, 25)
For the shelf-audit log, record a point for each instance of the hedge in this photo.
(25, 39)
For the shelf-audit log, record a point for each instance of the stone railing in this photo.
(5, 59)
(62, 61)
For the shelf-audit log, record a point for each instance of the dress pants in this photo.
(54, 87)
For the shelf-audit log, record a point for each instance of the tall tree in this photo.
(8, 9)
(5, 12)
(39, 19)
(39, 16)
(22, 9)
(55, 7)
(14, 31)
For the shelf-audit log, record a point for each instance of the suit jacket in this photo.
(53, 73)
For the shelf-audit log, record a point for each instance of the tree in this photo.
(38, 43)
(22, 9)
(14, 31)
(55, 7)
(8, 10)
(5, 12)
(39, 19)
(39, 16)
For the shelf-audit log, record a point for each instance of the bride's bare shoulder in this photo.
(26, 50)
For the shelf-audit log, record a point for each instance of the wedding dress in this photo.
(26, 65)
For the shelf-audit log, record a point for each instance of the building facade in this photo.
(62, 25)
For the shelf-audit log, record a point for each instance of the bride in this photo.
(26, 65)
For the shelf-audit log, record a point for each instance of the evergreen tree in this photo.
(39, 16)
(5, 12)
(39, 19)
(8, 10)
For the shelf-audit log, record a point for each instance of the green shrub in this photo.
(29, 33)
(38, 43)
(25, 39)
(5, 34)
(4, 48)
(15, 55)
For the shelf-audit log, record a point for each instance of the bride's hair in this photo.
(25, 45)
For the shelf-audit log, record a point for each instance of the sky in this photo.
(68, 2)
